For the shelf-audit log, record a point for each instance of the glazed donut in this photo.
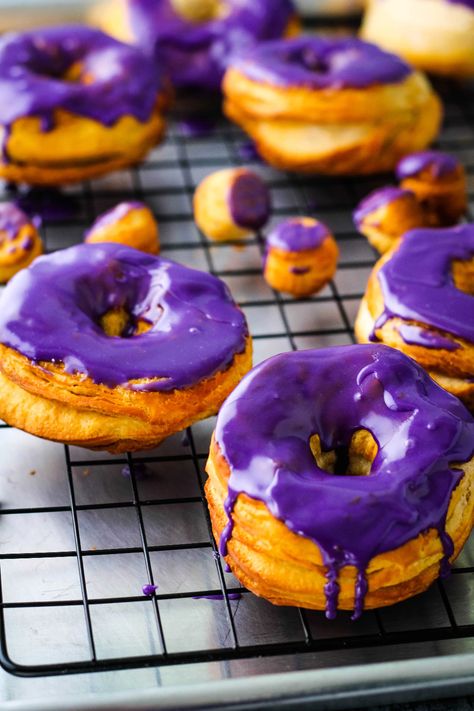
(128, 223)
(20, 242)
(330, 105)
(438, 181)
(231, 203)
(419, 299)
(301, 256)
(386, 214)
(195, 38)
(109, 348)
(340, 478)
(434, 35)
(75, 104)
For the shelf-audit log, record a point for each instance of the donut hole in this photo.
(463, 276)
(118, 323)
(353, 460)
(197, 10)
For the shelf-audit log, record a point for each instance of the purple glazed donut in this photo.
(420, 299)
(196, 53)
(75, 103)
(354, 449)
(332, 105)
(129, 346)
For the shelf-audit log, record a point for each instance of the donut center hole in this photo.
(197, 10)
(118, 323)
(463, 276)
(353, 460)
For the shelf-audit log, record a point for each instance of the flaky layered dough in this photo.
(334, 131)
(450, 369)
(43, 400)
(433, 35)
(287, 569)
(12, 262)
(77, 148)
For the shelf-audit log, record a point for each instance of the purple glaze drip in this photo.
(264, 430)
(377, 199)
(149, 590)
(33, 64)
(140, 471)
(294, 235)
(47, 204)
(439, 163)
(114, 215)
(197, 54)
(249, 201)
(12, 220)
(416, 336)
(196, 327)
(417, 283)
(322, 63)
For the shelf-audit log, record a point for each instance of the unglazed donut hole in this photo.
(130, 223)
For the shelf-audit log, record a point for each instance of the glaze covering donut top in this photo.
(322, 63)
(294, 236)
(33, 65)
(155, 23)
(51, 311)
(264, 429)
(439, 164)
(467, 3)
(417, 283)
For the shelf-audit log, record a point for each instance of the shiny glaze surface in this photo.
(298, 235)
(417, 282)
(322, 63)
(440, 164)
(264, 430)
(51, 312)
(196, 54)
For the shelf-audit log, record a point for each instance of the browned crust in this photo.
(287, 569)
(44, 400)
(321, 262)
(28, 163)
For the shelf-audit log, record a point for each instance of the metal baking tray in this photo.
(80, 534)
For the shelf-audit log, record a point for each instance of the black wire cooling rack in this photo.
(81, 533)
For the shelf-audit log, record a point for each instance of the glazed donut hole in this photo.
(355, 459)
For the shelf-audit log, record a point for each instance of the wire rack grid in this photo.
(81, 532)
